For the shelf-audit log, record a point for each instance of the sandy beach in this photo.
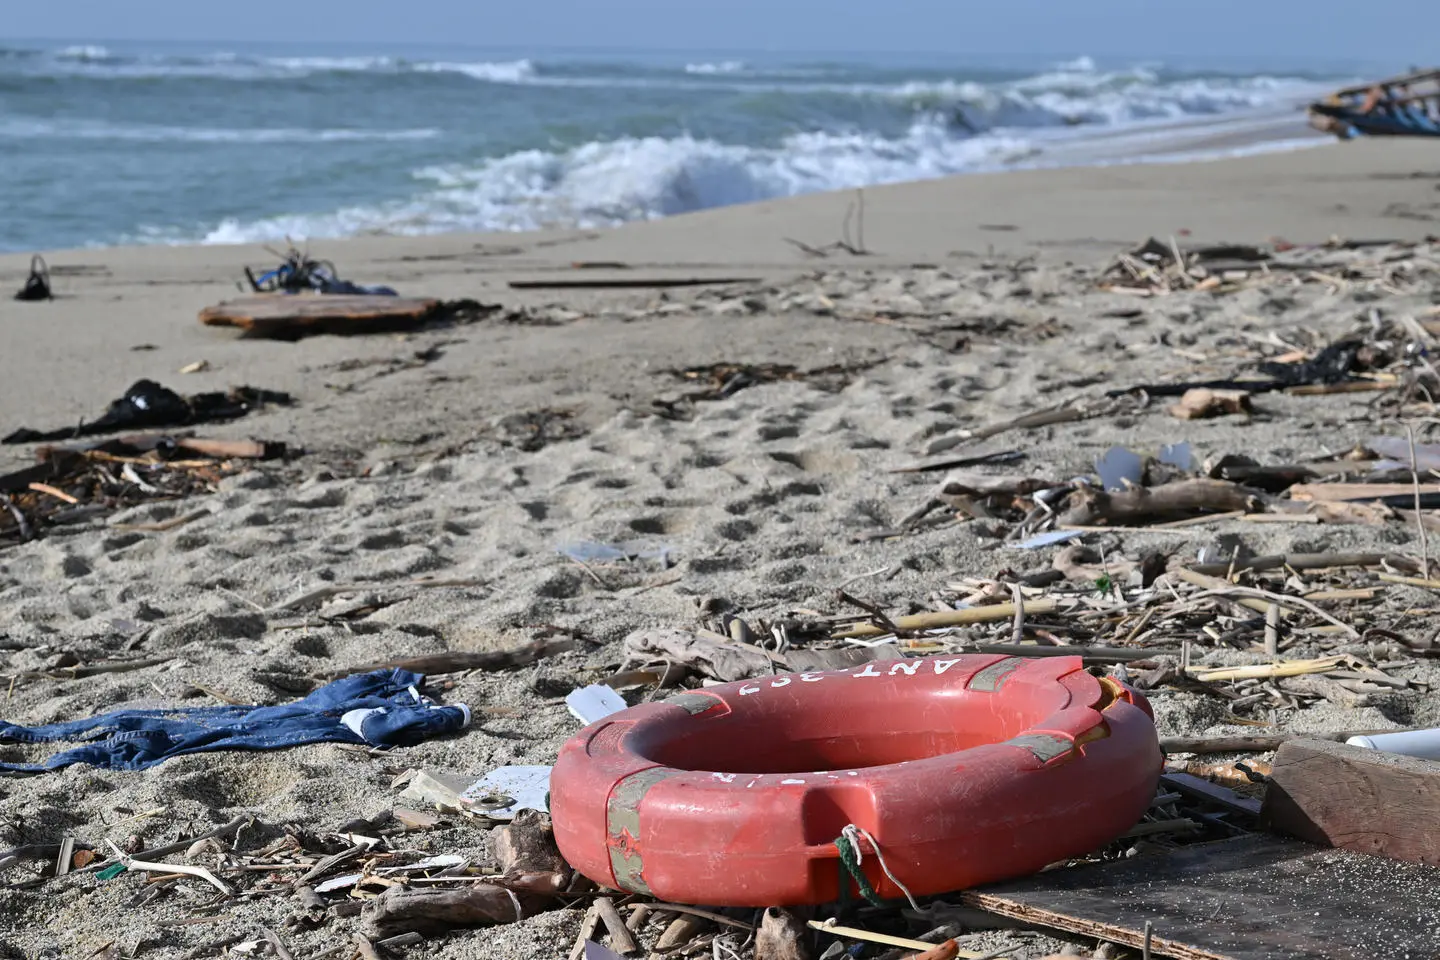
(978, 302)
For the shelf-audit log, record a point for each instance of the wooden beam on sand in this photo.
(1390, 494)
(1366, 801)
(1255, 897)
(281, 316)
(626, 283)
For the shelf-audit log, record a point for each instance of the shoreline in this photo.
(65, 360)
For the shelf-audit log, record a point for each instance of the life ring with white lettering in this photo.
(961, 770)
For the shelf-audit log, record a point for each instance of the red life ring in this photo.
(963, 769)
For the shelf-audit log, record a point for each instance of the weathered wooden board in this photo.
(1256, 897)
(1364, 800)
(292, 316)
(625, 283)
(1390, 494)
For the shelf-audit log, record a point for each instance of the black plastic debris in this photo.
(147, 405)
(37, 285)
(1334, 364)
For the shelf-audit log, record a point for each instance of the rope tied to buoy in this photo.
(852, 856)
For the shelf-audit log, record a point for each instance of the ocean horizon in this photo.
(155, 143)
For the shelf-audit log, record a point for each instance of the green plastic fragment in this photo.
(111, 872)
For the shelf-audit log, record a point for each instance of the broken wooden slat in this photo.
(1390, 494)
(1358, 799)
(292, 316)
(1250, 898)
(626, 283)
(1210, 792)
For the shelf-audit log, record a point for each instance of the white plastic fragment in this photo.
(348, 880)
(1412, 743)
(595, 702)
(525, 787)
(1049, 539)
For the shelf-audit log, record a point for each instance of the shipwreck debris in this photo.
(1403, 106)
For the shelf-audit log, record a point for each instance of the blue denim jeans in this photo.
(380, 709)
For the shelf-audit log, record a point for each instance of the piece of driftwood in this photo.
(430, 910)
(622, 941)
(1251, 898)
(954, 463)
(1368, 801)
(1306, 561)
(625, 283)
(172, 444)
(1030, 421)
(529, 859)
(969, 484)
(292, 316)
(1201, 403)
(1173, 501)
(458, 661)
(725, 660)
(680, 931)
(317, 594)
(781, 936)
(941, 619)
(589, 926)
(1390, 494)
(155, 853)
(1260, 743)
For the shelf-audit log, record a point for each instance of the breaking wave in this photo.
(711, 69)
(609, 183)
(566, 144)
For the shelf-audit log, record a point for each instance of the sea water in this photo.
(154, 143)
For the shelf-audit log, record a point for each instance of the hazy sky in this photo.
(1374, 31)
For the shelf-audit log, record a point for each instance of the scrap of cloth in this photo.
(381, 709)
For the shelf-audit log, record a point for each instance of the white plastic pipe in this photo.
(1411, 743)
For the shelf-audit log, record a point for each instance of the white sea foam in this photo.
(511, 71)
(629, 179)
(84, 53)
(710, 69)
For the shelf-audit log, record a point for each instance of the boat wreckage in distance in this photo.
(1405, 106)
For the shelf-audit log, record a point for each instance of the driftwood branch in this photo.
(1260, 743)
(1173, 501)
(407, 910)
(456, 662)
(529, 859)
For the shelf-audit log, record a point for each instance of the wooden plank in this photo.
(292, 316)
(626, 283)
(1364, 800)
(1211, 792)
(1392, 494)
(1252, 898)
